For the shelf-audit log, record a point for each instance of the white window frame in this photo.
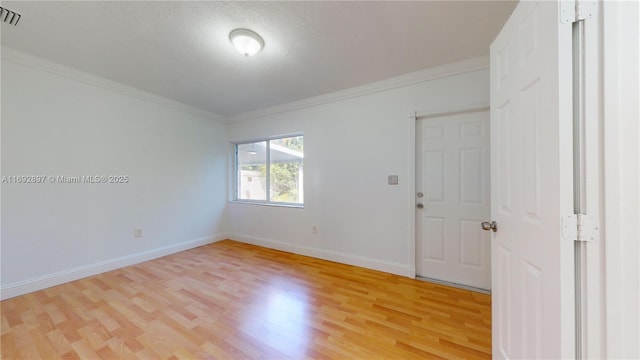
(236, 177)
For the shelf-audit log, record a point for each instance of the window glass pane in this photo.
(286, 171)
(252, 171)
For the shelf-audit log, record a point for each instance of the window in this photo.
(271, 171)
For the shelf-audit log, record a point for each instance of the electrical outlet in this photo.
(137, 232)
(314, 229)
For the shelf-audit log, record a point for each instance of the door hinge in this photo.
(576, 10)
(580, 227)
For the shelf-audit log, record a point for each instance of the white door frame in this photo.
(610, 313)
(413, 117)
(620, 209)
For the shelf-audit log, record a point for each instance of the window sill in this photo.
(285, 205)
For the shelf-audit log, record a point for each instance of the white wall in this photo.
(351, 146)
(58, 121)
(621, 178)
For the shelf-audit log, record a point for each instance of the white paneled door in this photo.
(452, 198)
(531, 185)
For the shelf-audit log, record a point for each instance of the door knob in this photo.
(490, 226)
(419, 205)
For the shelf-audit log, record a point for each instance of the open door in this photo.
(531, 185)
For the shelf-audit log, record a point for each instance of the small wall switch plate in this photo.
(137, 232)
(393, 180)
(314, 229)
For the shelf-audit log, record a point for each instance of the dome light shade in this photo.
(247, 42)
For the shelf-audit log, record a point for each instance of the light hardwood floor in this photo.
(230, 300)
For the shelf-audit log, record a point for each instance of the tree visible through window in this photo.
(271, 171)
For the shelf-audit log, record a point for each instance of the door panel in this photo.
(531, 184)
(472, 241)
(452, 157)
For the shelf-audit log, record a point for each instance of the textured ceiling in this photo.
(181, 50)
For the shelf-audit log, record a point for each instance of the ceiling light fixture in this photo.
(247, 42)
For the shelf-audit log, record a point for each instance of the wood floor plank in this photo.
(231, 300)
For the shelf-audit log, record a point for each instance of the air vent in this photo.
(9, 17)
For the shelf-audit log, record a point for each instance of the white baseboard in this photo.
(42, 282)
(369, 263)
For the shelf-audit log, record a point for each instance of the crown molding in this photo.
(51, 67)
(461, 67)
